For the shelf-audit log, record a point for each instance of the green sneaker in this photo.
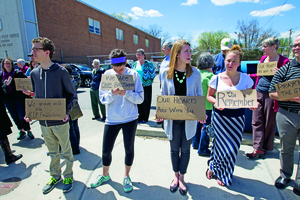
(127, 184)
(21, 135)
(30, 135)
(68, 185)
(99, 180)
(50, 185)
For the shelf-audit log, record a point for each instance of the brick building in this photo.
(79, 31)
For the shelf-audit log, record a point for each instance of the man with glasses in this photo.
(288, 121)
(50, 80)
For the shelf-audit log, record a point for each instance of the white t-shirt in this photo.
(245, 82)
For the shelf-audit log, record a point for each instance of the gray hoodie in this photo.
(54, 82)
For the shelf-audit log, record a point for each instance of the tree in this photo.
(211, 41)
(123, 17)
(155, 30)
(251, 34)
(284, 45)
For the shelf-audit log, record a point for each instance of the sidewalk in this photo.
(151, 172)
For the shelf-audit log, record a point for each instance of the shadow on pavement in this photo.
(17, 170)
(31, 144)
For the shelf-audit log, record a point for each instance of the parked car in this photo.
(106, 66)
(156, 66)
(85, 73)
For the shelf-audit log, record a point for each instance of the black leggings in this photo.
(109, 137)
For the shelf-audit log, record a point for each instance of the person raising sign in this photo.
(228, 123)
(180, 79)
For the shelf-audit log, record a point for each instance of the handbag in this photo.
(209, 128)
(75, 112)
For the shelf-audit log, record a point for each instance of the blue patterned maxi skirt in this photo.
(229, 126)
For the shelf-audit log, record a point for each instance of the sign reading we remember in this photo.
(180, 107)
(236, 99)
(289, 89)
(23, 83)
(123, 82)
(266, 69)
(45, 109)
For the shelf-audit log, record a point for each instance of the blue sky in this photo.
(192, 17)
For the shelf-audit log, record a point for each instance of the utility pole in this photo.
(289, 42)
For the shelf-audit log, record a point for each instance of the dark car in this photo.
(76, 77)
(85, 73)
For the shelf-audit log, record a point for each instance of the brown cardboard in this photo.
(23, 83)
(236, 99)
(180, 107)
(289, 89)
(266, 69)
(45, 109)
(110, 82)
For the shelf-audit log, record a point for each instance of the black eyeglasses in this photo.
(296, 45)
(36, 49)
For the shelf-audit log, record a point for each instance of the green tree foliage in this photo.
(208, 42)
(122, 16)
(211, 41)
(254, 54)
(284, 45)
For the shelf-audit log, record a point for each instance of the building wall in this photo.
(65, 22)
(10, 29)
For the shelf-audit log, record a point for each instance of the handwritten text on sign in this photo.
(288, 89)
(45, 109)
(236, 99)
(180, 107)
(266, 69)
(123, 82)
(23, 83)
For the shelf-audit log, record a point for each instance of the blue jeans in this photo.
(16, 110)
(74, 135)
(201, 138)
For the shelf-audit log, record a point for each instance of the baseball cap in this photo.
(226, 44)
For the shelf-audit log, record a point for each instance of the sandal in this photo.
(220, 182)
(209, 174)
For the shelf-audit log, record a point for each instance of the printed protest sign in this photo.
(45, 109)
(236, 99)
(23, 83)
(288, 89)
(266, 69)
(110, 82)
(180, 107)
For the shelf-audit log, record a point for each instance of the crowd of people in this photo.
(124, 109)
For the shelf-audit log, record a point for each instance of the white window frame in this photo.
(135, 39)
(119, 34)
(94, 26)
(146, 42)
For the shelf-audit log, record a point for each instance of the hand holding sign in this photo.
(236, 99)
(122, 82)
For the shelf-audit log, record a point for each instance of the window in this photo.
(135, 39)
(147, 42)
(119, 34)
(94, 26)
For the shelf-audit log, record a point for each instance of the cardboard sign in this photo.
(180, 107)
(123, 82)
(266, 69)
(288, 89)
(45, 109)
(236, 99)
(23, 83)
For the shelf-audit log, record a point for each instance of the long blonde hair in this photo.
(177, 47)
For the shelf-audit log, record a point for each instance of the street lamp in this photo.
(238, 37)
